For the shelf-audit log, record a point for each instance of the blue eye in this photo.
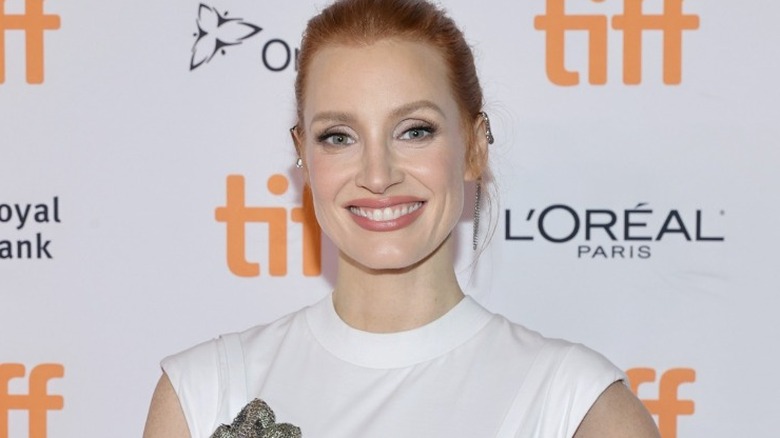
(336, 139)
(417, 133)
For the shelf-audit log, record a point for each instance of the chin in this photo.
(393, 257)
(384, 260)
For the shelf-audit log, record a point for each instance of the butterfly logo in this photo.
(216, 32)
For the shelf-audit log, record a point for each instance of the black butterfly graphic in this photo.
(215, 32)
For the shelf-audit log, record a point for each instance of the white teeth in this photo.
(385, 214)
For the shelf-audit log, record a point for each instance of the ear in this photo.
(296, 138)
(477, 150)
(295, 133)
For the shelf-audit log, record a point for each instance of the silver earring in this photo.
(299, 161)
(488, 131)
(477, 199)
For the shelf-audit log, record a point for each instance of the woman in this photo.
(389, 130)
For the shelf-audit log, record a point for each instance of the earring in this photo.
(478, 191)
(477, 199)
(299, 161)
(488, 131)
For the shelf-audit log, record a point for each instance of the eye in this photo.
(417, 133)
(336, 139)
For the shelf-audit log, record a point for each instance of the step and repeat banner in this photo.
(149, 198)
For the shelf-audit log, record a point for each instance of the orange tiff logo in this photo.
(632, 23)
(33, 22)
(236, 215)
(667, 407)
(37, 400)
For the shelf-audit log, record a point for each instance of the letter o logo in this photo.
(569, 210)
(286, 58)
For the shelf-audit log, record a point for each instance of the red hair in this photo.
(363, 22)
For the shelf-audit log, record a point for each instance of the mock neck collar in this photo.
(400, 349)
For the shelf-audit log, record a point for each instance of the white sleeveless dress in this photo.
(470, 374)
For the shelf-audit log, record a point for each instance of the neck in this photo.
(393, 300)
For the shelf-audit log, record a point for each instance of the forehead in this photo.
(370, 78)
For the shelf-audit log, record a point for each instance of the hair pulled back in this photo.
(363, 22)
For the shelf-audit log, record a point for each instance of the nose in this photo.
(379, 169)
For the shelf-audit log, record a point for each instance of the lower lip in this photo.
(391, 225)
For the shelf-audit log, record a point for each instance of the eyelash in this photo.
(429, 129)
(326, 136)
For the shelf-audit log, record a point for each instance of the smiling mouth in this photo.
(387, 213)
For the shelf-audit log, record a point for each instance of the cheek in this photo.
(321, 175)
(451, 176)
(322, 201)
(448, 167)
(325, 180)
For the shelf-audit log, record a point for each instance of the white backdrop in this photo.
(121, 156)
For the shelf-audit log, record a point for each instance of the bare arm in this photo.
(617, 414)
(166, 419)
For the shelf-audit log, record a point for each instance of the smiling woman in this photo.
(396, 144)
(390, 129)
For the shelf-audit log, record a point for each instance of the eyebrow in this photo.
(403, 110)
(333, 116)
(414, 106)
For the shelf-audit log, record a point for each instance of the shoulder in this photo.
(561, 360)
(165, 418)
(193, 376)
(562, 380)
(201, 363)
(569, 378)
(200, 376)
(616, 414)
(580, 377)
(203, 360)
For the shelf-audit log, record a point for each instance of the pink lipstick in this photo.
(385, 214)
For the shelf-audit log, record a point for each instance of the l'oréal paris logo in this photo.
(603, 233)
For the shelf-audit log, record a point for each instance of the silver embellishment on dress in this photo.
(257, 420)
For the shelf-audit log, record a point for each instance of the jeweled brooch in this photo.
(257, 420)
